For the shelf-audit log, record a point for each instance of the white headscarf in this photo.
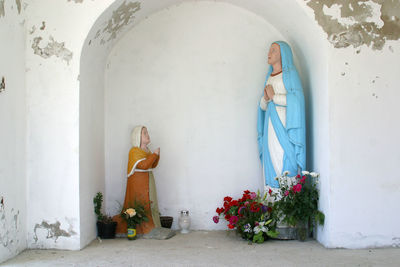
(136, 136)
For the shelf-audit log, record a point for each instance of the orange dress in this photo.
(137, 188)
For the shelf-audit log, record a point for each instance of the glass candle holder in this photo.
(184, 221)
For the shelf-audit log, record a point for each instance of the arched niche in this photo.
(102, 150)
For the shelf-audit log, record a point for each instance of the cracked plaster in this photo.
(121, 17)
(8, 231)
(54, 230)
(18, 2)
(53, 48)
(358, 22)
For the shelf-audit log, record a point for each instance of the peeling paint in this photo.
(8, 231)
(53, 48)
(121, 17)
(2, 88)
(53, 230)
(18, 2)
(358, 22)
(43, 26)
(32, 30)
(2, 11)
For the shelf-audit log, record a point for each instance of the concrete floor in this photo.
(202, 248)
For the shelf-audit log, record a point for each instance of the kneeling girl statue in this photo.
(140, 184)
(281, 117)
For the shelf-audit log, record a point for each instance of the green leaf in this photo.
(273, 234)
(320, 218)
(258, 238)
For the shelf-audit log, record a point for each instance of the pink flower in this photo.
(297, 188)
(286, 193)
(216, 219)
(253, 195)
(233, 220)
(240, 209)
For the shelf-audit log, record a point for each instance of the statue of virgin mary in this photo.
(281, 117)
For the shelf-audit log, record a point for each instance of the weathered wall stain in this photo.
(8, 231)
(121, 17)
(53, 48)
(43, 26)
(358, 22)
(2, 88)
(31, 31)
(2, 11)
(76, 1)
(53, 230)
(18, 2)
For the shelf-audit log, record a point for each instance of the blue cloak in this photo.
(292, 138)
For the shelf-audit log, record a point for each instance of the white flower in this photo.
(314, 174)
(260, 228)
(286, 173)
(131, 212)
(247, 228)
(305, 172)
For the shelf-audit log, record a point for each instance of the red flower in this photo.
(233, 220)
(219, 210)
(247, 192)
(286, 193)
(227, 217)
(297, 188)
(270, 191)
(227, 199)
(234, 203)
(254, 207)
(231, 226)
(298, 176)
(303, 180)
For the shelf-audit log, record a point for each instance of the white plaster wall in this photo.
(194, 75)
(365, 185)
(12, 133)
(53, 121)
(53, 124)
(296, 23)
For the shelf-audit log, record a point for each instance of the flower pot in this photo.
(166, 221)
(106, 230)
(302, 231)
(131, 234)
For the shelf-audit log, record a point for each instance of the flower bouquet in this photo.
(297, 201)
(251, 215)
(134, 215)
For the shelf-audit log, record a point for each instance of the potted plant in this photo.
(105, 225)
(251, 215)
(297, 202)
(134, 215)
(166, 221)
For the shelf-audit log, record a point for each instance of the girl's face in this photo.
(274, 54)
(145, 140)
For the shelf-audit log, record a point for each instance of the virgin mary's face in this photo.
(274, 54)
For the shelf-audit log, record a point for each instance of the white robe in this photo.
(274, 147)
